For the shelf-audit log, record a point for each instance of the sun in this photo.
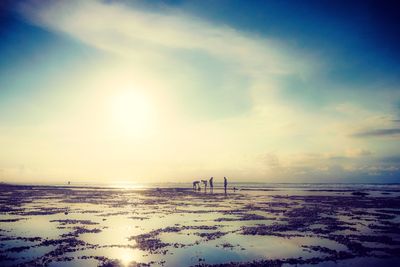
(132, 112)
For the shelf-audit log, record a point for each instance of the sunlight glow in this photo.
(127, 185)
(126, 257)
(132, 112)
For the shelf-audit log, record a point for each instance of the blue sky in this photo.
(279, 91)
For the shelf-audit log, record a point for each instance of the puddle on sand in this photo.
(178, 227)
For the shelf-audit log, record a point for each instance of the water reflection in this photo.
(183, 228)
(126, 257)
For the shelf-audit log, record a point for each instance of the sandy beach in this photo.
(82, 226)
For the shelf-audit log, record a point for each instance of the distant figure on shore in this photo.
(225, 183)
(196, 185)
(205, 184)
(211, 183)
(69, 182)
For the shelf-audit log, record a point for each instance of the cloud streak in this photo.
(121, 29)
(378, 133)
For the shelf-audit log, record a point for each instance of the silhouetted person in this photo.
(196, 185)
(205, 184)
(211, 183)
(225, 183)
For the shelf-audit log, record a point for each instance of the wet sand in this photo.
(61, 226)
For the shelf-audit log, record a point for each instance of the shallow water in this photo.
(58, 226)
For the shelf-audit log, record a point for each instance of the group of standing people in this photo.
(196, 184)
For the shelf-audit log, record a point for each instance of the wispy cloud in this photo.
(391, 159)
(378, 133)
(128, 31)
(225, 70)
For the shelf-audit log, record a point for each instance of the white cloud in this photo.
(129, 31)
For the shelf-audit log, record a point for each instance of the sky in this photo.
(173, 91)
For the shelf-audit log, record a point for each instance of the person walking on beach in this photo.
(225, 183)
(211, 183)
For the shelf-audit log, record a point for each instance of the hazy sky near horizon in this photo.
(161, 91)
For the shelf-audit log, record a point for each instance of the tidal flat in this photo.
(94, 226)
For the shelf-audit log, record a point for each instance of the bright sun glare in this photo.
(132, 112)
(126, 257)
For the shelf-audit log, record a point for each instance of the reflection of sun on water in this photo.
(127, 185)
(126, 257)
